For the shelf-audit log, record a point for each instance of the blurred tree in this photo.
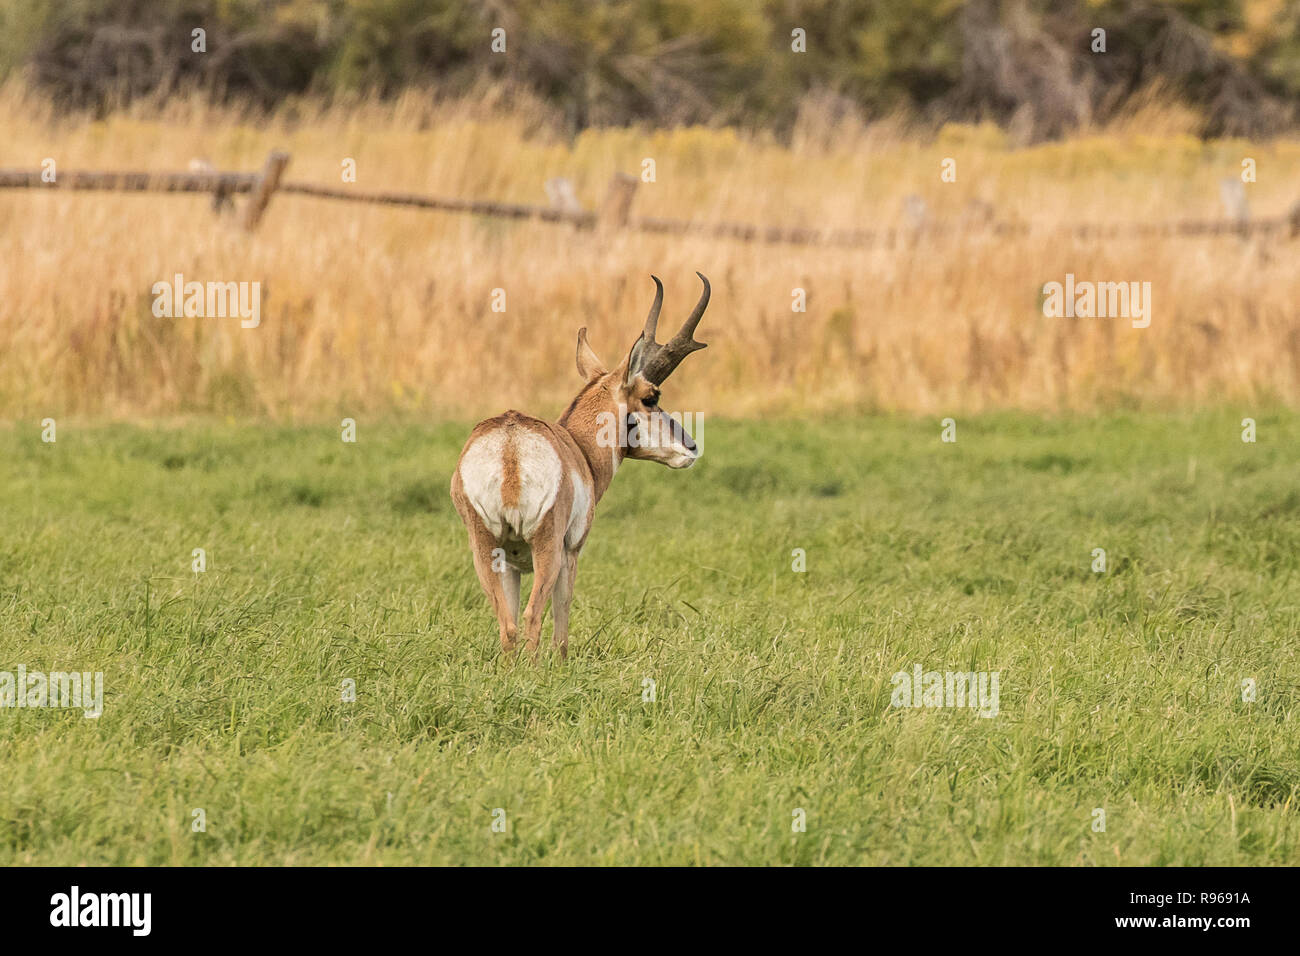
(1025, 63)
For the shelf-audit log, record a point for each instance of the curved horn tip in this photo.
(652, 318)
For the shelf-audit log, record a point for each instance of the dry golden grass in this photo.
(378, 309)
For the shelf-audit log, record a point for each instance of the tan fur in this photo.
(527, 490)
(510, 478)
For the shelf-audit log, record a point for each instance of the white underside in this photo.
(582, 494)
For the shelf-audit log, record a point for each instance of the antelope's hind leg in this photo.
(510, 581)
(561, 601)
(548, 561)
(496, 584)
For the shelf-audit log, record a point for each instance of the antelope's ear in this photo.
(636, 359)
(589, 364)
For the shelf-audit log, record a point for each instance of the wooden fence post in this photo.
(263, 188)
(617, 207)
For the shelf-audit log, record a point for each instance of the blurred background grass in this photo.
(372, 309)
(369, 308)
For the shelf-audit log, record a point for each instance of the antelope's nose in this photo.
(680, 434)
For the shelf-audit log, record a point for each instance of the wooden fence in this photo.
(615, 211)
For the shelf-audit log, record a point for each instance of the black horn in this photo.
(661, 360)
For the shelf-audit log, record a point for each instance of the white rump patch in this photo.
(482, 473)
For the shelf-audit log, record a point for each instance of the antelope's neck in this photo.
(603, 462)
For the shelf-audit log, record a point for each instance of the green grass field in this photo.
(329, 561)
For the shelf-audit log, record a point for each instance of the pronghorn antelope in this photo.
(527, 489)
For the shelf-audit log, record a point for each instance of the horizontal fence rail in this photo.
(615, 211)
(132, 181)
(481, 207)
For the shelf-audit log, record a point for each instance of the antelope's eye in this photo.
(650, 401)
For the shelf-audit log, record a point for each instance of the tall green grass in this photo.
(328, 561)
